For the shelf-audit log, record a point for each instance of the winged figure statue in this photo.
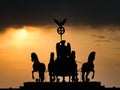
(60, 23)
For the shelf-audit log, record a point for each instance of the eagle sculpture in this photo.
(60, 23)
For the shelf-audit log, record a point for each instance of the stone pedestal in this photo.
(62, 85)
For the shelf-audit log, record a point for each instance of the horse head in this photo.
(91, 56)
(34, 57)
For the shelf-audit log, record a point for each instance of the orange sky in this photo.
(16, 44)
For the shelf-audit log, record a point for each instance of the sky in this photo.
(27, 26)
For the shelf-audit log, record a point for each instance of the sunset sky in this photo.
(27, 26)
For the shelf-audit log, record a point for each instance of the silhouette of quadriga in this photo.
(64, 65)
(37, 67)
(88, 67)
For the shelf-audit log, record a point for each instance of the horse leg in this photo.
(33, 74)
(76, 77)
(57, 79)
(69, 77)
(53, 77)
(93, 74)
(41, 75)
(39, 80)
(73, 78)
(87, 79)
(51, 80)
(63, 78)
(50, 75)
(83, 78)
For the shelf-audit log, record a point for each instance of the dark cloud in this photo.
(100, 38)
(41, 12)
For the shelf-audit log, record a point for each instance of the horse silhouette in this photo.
(37, 67)
(51, 67)
(64, 65)
(88, 67)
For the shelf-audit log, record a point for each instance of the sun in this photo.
(22, 34)
(20, 37)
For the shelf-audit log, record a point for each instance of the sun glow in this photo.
(21, 34)
(26, 36)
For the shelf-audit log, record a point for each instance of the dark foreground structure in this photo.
(65, 86)
(62, 86)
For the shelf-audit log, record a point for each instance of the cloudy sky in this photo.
(40, 12)
(27, 26)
